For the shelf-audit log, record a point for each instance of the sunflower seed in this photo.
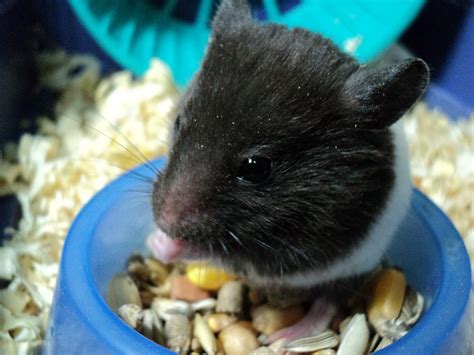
(263, 350)
(345, 322)
(152, 327)
(205, 304)
(132, 314)
(355, 337)
(325, 340)
(374, 342)
(412, 307)
(277, 345)
(393, 329)
(325, 352)
(165, 307)
(122, 290)
(384, 342)
(205, 335)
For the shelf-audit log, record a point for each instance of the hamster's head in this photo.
(282, 157)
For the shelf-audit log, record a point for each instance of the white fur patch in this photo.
(368, 254)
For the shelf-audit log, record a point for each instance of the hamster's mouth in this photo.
(169, 250)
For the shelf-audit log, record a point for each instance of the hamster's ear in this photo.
(379, 97)
(230, 15)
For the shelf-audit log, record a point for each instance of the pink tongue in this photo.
(164, 248)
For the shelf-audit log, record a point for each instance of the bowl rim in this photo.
(77, 281)
(439, 321)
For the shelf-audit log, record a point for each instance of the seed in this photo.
(132, 314)
(246, 324)
(237, 339)
(220, 348)
(263, 350)
(135, 257)
(196, 346)
(219, 321)
(152, 327)
(384, 343)
(223, 313)
(393, 329)
(412, 307)
(325, 352)
(158, 271)
(325, 340)
(183, 289)
(268, 319)
(207, 277)
(374, 342)
(263, 339)
(204, 305)
(387, 298)
(165, 308)
(138, 270)
(147, 298)
(178, 333)
(162, 291)
(230, 298)
(343, 325)
(276, 346)
(355, 337)
(205, 335)
(122, 290)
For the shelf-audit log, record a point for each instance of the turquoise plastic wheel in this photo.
(133, 32)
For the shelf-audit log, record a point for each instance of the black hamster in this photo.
(287, 165)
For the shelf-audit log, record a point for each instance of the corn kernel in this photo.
(207, 277)
(387, 299)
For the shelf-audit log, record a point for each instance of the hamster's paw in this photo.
(314, 322)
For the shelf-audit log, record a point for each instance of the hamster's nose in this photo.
(177, 205)
(176, 215)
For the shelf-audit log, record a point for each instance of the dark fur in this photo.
(291, 96)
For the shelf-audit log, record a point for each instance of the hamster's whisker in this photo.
(141, 177)
(295, 251)
(281, 266)
(332, 243)
(97, 175)
(237, 239)
(146, 160)
(251, 239)
(136, 157)
(295, 257)
(138, 202)
(263, 244)
(142, 193)
(224, 247)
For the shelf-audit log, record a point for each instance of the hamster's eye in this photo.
(177, 124)
(255, 169)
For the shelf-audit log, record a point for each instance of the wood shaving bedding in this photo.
(442, 165)
(73, 155)
(80, 149)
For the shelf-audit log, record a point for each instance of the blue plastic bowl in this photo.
(118, 219)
